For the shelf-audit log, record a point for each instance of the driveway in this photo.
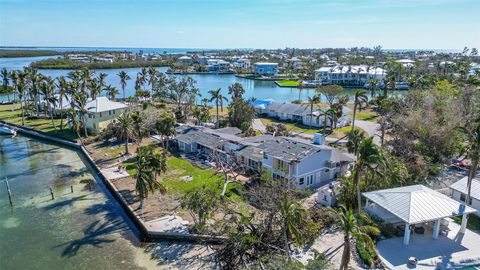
(258, 125)
(371, 128)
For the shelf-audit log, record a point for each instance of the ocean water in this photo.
(80, 230)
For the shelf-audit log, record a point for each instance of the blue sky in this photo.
(439, 24)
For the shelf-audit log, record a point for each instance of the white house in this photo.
(303, 163)
(294, 63)
(202, 59)
(217, 65)
(185, 59)
(406, 62)
(355, 75)
(299, 113)
(265, 69)
(458, 191)
(242, 63)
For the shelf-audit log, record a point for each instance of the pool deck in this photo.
(447, 252)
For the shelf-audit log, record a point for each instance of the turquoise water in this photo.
(205, 82)
(470, 268)
(80, 230)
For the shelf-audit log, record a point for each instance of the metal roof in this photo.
(416, 204)
(461, 186)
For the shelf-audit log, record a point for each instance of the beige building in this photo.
(101, 112)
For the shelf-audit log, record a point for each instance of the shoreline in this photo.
(146, 234)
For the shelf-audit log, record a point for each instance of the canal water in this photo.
(205, 82)
(86, 229)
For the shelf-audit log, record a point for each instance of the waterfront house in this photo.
(242, 63)
(185, 60)
(217, 65)
(299, 113)
(201, 59)
(101, 112)
(354, 75)
(303, 163)
(406, 63)
(293, 63)
(458, 191)
(265, 69)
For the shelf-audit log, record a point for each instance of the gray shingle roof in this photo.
(461, 186)
(416, 204)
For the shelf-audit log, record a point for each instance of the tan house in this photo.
(101, 112)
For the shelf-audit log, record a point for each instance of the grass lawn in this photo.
(213, 111)
(365, 115)
(178, 167)
(341, 132)
(43, 125)
(295, 127)
(288, 83)
(473, 222)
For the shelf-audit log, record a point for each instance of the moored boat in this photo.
(7, 130)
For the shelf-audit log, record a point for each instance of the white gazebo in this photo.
(413, 205)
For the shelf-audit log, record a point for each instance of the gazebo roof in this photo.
(417, 204)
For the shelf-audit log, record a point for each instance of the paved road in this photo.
(372, 128)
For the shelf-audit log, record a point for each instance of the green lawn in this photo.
(473, 222)
(43, 125)
(294, 127)
(367, 116)
(288, 83)
(298, 128)
(178, 167)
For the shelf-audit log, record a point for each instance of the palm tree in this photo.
(373, 86)
(325, 113)
(21, 89)
(311, 102)
(79, 100)
(112, 91)
(149, 165)
(360, 99)
(5, 81)
(124, 77)
(292, 214)
(137, 121)
(355, 137)
(14, 78)
(48, 93)
(85, 76)
(62, 86)
(95, 88)
(165, 126)
(101, 79)
(125, 128)
(351, 226)
(473, 138)
(368, 156)
(152, 76)
(34, 80)
(217, 96)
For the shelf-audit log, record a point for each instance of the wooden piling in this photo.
(71, 189)
(90, 186)
(51, 193)
(9, 192)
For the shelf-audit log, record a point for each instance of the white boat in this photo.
(8, 131)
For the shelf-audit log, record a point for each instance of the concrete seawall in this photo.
(139, 223)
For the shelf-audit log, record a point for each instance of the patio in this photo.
(447, 252)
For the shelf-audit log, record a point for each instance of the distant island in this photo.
(61, 63)
(26, 53)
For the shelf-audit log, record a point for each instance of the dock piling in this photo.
(51, 193)
(71, 189)
(9, 192)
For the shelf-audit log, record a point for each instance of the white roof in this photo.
(405, 61)
(103, 104)
(185, 57)
(416, 204)
(266, 63)
(461, 186)
(356, 69)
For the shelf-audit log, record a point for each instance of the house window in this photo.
(310, 180)
(100, 114)
(113, 111)
(301, 181)
(94, 126)
(463, 197)
(89, 116)
(109, 112)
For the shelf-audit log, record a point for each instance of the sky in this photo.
(400, 24)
